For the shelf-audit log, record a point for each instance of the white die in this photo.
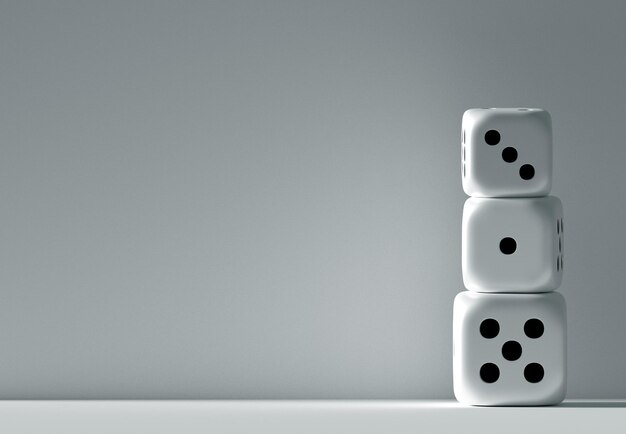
(509, 349)
(512, 245)
(506, 152)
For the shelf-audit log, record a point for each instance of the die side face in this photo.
(506, 152)
(509, 349)
(512, 245)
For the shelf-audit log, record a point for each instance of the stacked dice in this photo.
(510, 326)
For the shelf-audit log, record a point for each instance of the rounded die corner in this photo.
(544, 114)
(460, 301)
(471, 112)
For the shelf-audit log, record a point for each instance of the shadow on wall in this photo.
(593, 404)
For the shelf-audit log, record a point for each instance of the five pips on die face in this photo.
(509, 155)
(511, 350)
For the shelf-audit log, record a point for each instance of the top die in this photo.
(506, 152)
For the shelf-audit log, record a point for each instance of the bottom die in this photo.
(509, 349)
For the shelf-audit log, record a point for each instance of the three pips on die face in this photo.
(509, 155)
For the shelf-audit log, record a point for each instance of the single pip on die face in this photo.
(512, 245)
(506, 152)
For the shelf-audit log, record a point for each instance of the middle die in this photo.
(512, 245)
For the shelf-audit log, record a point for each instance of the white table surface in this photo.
(306, 417)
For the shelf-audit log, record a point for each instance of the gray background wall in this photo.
(262, 199)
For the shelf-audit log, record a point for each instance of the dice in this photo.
(512, 245)
(509, 349)
(506, 152)
(509, 331)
